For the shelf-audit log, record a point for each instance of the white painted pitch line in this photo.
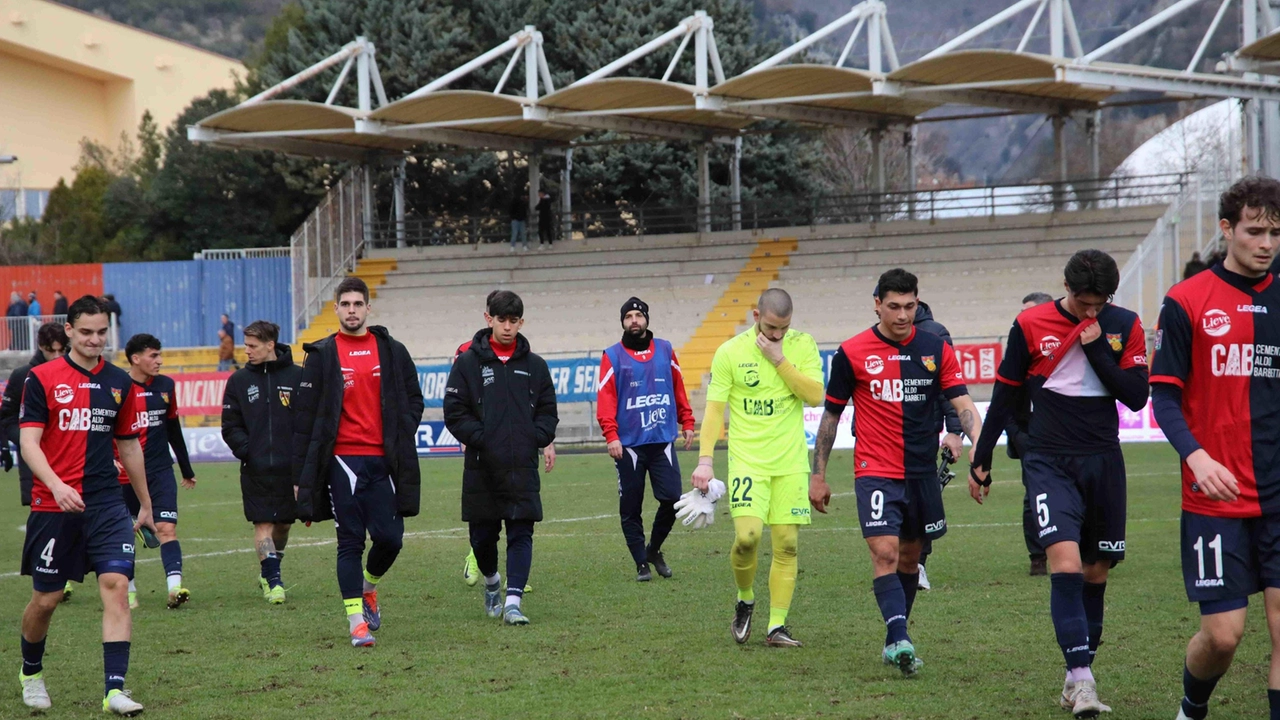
(456, 530)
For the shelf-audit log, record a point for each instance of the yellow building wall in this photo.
(66, 75)
(44, 128)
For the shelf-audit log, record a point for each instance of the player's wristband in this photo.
(973, 473)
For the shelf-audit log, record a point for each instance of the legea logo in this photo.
(1215, 323)
(874, 364)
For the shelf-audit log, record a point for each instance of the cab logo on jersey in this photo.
(751, 378)
(1048, 344)
(874, 364)
(115, 394)
(1215, 323)
(165, 397)
(930, 363)
(285, 397)
(1114, 340)
(63, 393)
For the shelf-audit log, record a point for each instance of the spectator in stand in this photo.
(227, 344)
(1193, 266)
(17, 329)
(113, 307)
(226, 351)
(59, 303)
(546, 219)
(519, 214)
(33, 305)
(17, 308)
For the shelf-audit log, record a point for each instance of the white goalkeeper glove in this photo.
(697, 509)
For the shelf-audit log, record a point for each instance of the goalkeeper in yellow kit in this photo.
(766, 376)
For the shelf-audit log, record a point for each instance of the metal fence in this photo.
(1188, 225)
(622, 219)
(328, 243)
(18, 334)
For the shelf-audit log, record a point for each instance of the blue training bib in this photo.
(646, 396)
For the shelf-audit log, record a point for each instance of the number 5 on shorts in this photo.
(47, 554)
(1042, 510)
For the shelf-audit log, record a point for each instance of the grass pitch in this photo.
(602, 645)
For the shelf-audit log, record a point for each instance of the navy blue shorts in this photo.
(163, 489)
(1225, 560)
(660, 462)
(909, 509)
(63, 546)
(1080, 499)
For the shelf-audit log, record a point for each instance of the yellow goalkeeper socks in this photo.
(782, 572)
(742, 558)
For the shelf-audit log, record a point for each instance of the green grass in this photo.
(602, 645)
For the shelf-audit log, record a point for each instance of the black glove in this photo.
(6, 457)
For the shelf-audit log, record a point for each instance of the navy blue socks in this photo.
(32, 657)
(1066, 605)
(115, 663)
(893, 606)
(271, 570)
(1093, 609)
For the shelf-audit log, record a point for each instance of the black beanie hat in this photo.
(635, 303)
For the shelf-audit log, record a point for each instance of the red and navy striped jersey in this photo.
(1217, 341)
(894, 387)
(159, 400)
(80, 411)
(1075, 411)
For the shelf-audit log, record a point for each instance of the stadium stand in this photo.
(967, 266)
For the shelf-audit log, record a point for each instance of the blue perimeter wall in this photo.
(180, 301)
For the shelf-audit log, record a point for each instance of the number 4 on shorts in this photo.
(47, 554)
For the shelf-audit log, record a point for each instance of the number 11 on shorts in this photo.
(1216, 546)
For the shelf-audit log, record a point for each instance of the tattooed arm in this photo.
(819, 490)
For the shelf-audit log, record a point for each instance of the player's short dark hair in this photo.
(1255, 191)
(1094, 272)
(87, 305)
(490, 298)
(898, 280)
(1038, 298)
(350, 285)
(775, 301)
(140, 343)
(50, 333)
(505, 303)
(264, 330)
